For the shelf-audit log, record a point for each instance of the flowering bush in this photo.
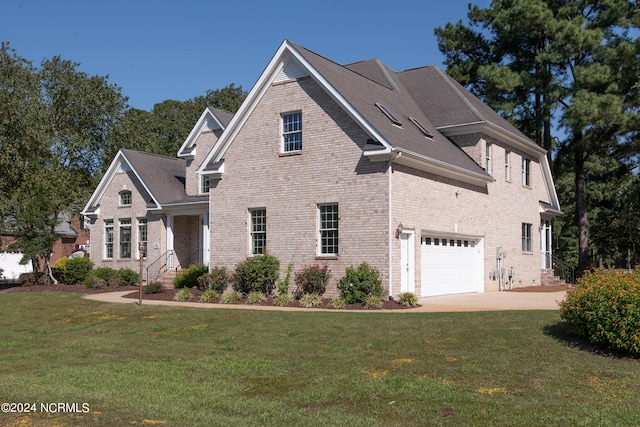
(189, 278)
(216, 280)
(360, 283)
(605, 308)
(258, 273)
(312, 279)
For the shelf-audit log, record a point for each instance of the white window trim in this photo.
(487, 159)
(141, 222)
(527, 238)
(122, 193)
(283, 145)
(109, 225)
(526, 172)
(507, 165)
(204, 179)
(320, 231)
(252, 247)
(122, 226)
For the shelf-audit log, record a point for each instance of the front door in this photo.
(407, 282)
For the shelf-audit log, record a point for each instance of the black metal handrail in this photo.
(158, 267)
(563, 270)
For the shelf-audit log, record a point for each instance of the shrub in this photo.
(312, 279)
(310, 300)
(153, 288)
(258, 273)
(127, 277)
(338, 302)
(230, 297)
(58, 268)
(359, 283)
(282, 300)
(189, 278)
(372, 301)
(283, 285)
(255, 298)
(217, 279)
(209, 295)
(603, 307)
(105, 273)
(183, 295)
(408, 299)
(77, 271)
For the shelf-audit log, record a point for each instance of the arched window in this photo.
(125, 198)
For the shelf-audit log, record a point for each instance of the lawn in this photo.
(122, 365)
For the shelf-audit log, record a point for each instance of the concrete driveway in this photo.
(488, 301)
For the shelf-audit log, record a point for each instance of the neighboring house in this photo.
(339, 165)
(73, 238)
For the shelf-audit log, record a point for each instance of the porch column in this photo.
(169, 241)
(206, 239)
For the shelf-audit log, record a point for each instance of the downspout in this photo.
(394, 155)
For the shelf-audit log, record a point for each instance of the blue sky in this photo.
(159, 50)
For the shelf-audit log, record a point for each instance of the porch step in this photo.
(549, 279)
(167, 279)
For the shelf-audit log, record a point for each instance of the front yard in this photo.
(156, 365)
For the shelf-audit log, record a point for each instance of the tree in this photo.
(164, 129)
(571, 62)
(55, 123)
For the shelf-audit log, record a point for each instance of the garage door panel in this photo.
(448, 269)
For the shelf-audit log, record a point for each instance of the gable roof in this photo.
(358, 88)
(211, 119)
(162, 177)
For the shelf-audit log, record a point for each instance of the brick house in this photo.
(341, 164)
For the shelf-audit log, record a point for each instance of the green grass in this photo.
(155, 365)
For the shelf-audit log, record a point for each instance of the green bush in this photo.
(230, 297)
(218, 279)
(604, 308)
(312, 279)
(408, 299)
(360, 283)
(77, 271)
(128, 277)
(189, 278)
(182, 295)
(58, 268)
(282, 300)
(209, 295)
(310, 300)
(372, 301)
(255, 298)
(153, 288)
(258, 273)
(338, 302)
(283, 285)
(105, 273)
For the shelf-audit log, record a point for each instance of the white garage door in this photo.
(448, 266)
(10, 263)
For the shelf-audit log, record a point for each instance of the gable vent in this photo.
(292, 70)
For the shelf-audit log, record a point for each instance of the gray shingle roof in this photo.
(366, 83)
(164, 177)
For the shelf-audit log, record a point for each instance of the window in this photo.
(205, 184)
(125, 238)
(292, 131)
(389, 114)
(142, 237)
(125, 198)
(526, 237)
(258, 231)
(328, 228)
(108, 238)
(526, 172)
(507, 165)
(488, 158)
(421, 128)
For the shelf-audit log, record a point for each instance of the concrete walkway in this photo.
(488, 301)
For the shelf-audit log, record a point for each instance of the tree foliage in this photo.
(54, 125)
(572, 63)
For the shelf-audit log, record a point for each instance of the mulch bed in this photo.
(169, 294)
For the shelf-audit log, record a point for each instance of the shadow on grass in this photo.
(560, 331)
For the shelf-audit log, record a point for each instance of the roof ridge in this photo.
(444, 76)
